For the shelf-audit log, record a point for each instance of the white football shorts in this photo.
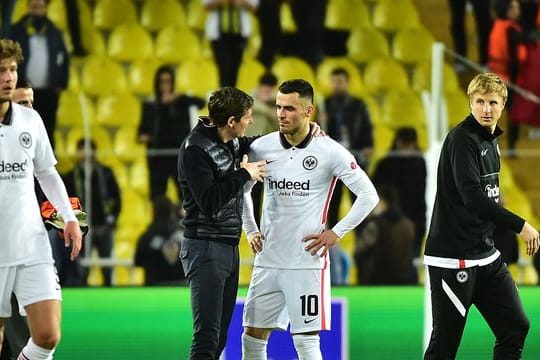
(277, 297)
(30, 283)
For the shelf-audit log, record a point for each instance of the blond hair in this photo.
(487, 83)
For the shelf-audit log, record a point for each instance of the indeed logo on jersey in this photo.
(492, 192)
(288, 187)
(13, 170)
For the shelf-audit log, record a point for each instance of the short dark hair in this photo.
(300, 86)
(226, 102)
(11, 49)
(80, 144)
(268, 79)
(22, 83)
(340, 71)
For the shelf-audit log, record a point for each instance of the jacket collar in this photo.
(471, 122)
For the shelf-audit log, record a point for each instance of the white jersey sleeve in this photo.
(297, 193)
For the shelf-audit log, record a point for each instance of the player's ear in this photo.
(309, 110)
(230, 121)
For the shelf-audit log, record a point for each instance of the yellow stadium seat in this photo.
(122, 109)
(176, 44)
(421, 78)
(126, 147)
(289, 67)
(403, 108)
(101, 137)
(20, 9)
(366, 44)
(141, 76)
(346, 15)
(373, 108)
(288, 24)
(197, 77)
(329, 64)
(120, 172)
(196, 15)
(139, 177)
(74, 83)
(456, 107)
(102, 76)
(108, 14)
(383, 75)
(249, 74)
(383, 136)
(72, 107)
(158, 14)
(411, 46)
(94, 42)
(130, 42)
(392, 15)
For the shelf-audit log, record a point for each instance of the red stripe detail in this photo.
(323, 299)
(328, 198)
(461, 264)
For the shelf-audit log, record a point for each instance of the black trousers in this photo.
(228, 51)
(482, 18)
(493, 291)
(212, 270)
(46, 104)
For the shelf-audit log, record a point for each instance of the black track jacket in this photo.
(466, 206)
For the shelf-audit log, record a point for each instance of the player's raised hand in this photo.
(73, 237)
(255, 242)
(530, 235)
(257, 170)
(325, 240)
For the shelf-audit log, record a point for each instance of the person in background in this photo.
(158, 248)
(227, 28)
(212, 170)
(508, 54)
(105, 202)
(46, 64)
(164, 125)
(264, 122)
(404, 168)
(463, 264)
(483, 21)
(384, 249)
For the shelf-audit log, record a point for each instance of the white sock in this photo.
(253, 348)
(33, 352)
(308, 347)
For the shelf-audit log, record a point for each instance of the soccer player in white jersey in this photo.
(290, 282)
(26, 262)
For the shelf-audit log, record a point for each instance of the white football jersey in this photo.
(297, 190)
(24, 148)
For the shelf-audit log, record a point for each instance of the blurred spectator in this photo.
(307, 42)
(164, 125)
(508, 54)
(268, 15)
(74, 26)
(340, 265)
(105, 203)
(404, 168)
(158, 248)
(23, 94)
(6, 8)
(347, 120)
(383, 253)
(46, 61)
(264, 121)
(228, 27)
(482, 17)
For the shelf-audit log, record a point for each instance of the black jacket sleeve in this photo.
(210, 194)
